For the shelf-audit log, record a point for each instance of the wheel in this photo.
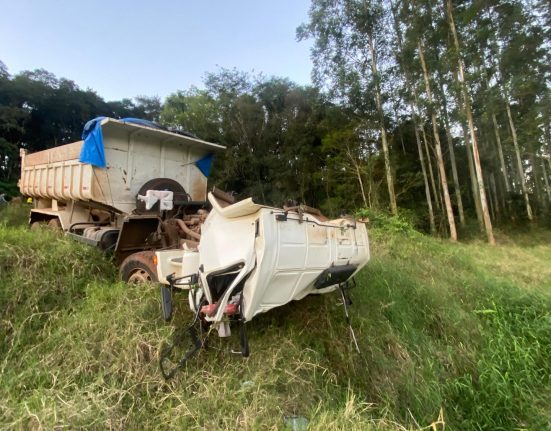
(139, 268)
(54, 224)
(37, 225)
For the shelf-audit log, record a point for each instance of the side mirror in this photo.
(166, 302)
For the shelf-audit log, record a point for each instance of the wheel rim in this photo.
(139, 276)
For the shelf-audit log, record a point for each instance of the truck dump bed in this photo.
(134, 154)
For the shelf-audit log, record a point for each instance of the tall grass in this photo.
(452, 336)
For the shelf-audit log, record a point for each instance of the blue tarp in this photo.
(205, 164)
(93, 153)
(92, 150)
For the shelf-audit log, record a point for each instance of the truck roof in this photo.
(108, 123)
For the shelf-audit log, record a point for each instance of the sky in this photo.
(127, 48)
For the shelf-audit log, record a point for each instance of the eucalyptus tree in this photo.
(412, 97)
(418, 19)
(470, 123)
(515, 50)
(434, 33)
(350, 54)
(479, 24)
(437, 144)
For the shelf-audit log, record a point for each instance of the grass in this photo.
(454, 337)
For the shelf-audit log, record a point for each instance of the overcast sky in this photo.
(126, 48)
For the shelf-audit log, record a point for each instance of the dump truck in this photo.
(140, 191)
(129, 187)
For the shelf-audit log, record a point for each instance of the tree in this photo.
(438, 147)
(271, 128)
(39, 111)
(348, 50)
(470, 122)
(413, 104)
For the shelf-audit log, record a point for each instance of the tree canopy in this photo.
(435, 110)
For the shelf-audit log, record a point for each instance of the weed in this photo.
(454, 336)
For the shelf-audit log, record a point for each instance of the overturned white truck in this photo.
(252, 258)
(140, 191)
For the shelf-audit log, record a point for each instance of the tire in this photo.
(139, 268)
(55, 225)
(37, 225)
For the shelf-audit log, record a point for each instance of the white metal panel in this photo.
(177, 262)
(288, 255)
(134, 154)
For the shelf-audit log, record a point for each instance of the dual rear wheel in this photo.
(52, 224)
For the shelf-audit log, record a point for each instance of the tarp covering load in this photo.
(141, 122)
(205, 164)
(92, 151)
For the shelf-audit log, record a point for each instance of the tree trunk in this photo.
(472, 176)
(519, 164)
(437, 196)
(500, 154)
(501, 194)
(425, 178)
(537, 180)
(546, 180)
(388, 171)
(438, 147)
(444, 115)
(490, 203)
(547, 136)
(412, 97)
(454, 170)
(451, 149)
(359, 176)
(470, 122)
(493, 189)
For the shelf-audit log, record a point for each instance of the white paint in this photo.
(279, 260)
(134, 154)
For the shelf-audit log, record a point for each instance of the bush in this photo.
(12, 215)
(9, 189)
(384, 221)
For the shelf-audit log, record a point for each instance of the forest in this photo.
(435, 111)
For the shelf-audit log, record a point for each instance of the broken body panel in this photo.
(260, 257)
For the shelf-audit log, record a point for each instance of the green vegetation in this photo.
(441, 108)
(456, 334)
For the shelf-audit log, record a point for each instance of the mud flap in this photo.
(243, 339)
